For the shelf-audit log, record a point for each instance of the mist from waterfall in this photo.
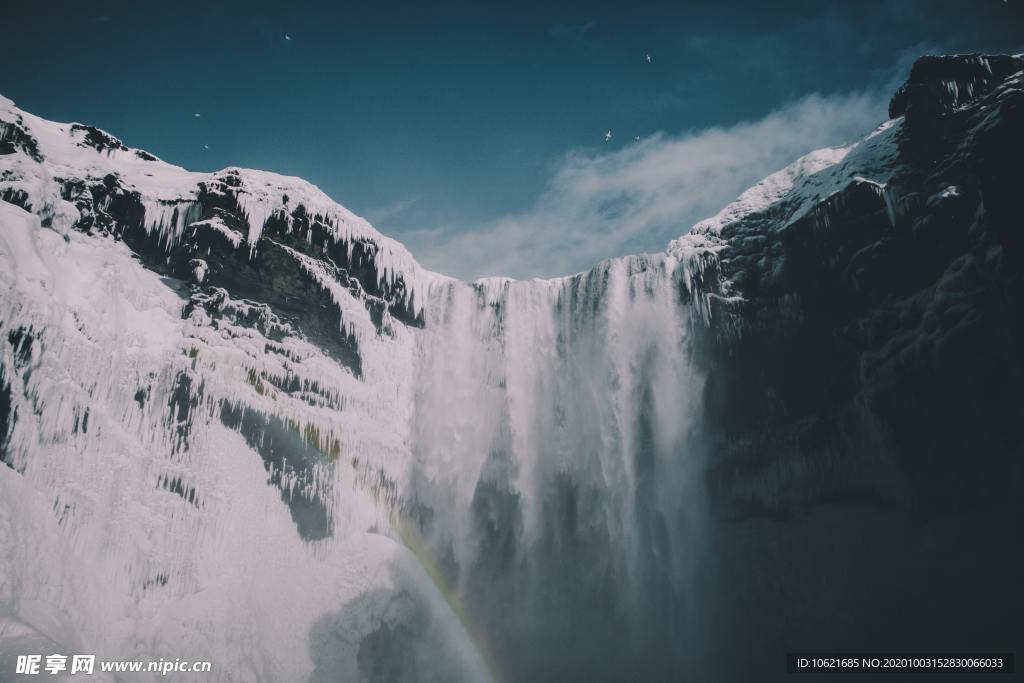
(554, 448)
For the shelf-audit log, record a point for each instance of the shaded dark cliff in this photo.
(865, 401)
(880, 342)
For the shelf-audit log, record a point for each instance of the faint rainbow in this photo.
(412, 539)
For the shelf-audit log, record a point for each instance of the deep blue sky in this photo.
(422, 115)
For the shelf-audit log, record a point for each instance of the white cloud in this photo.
(598, 205)
(380, 215)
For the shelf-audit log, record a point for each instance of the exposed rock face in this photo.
(877, 352)
(226, 400)
(865, 399)
(939, 85)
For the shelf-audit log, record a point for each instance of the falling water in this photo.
(553, 446)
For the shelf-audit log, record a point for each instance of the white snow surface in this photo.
(97, 556)
(810, 179)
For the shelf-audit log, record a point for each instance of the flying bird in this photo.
(197, 115)
(206, 147)
(607, 136)
(636, 138)
(649, 58)
(287, 37)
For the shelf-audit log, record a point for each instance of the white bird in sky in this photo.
(206, 147)
(197, 115)
(636, 138)
(649, 58)
(287, 37)
(607, 136)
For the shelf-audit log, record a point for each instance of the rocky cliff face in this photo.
(865, 394)
(876, 352)
(226, 400)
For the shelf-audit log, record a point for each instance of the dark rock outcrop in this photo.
(881, 345)
(938, 84)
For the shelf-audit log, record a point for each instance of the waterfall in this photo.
(552, 445)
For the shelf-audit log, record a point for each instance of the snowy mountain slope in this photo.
(241, 425)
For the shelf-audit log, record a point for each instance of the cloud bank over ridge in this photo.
(638, 197)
